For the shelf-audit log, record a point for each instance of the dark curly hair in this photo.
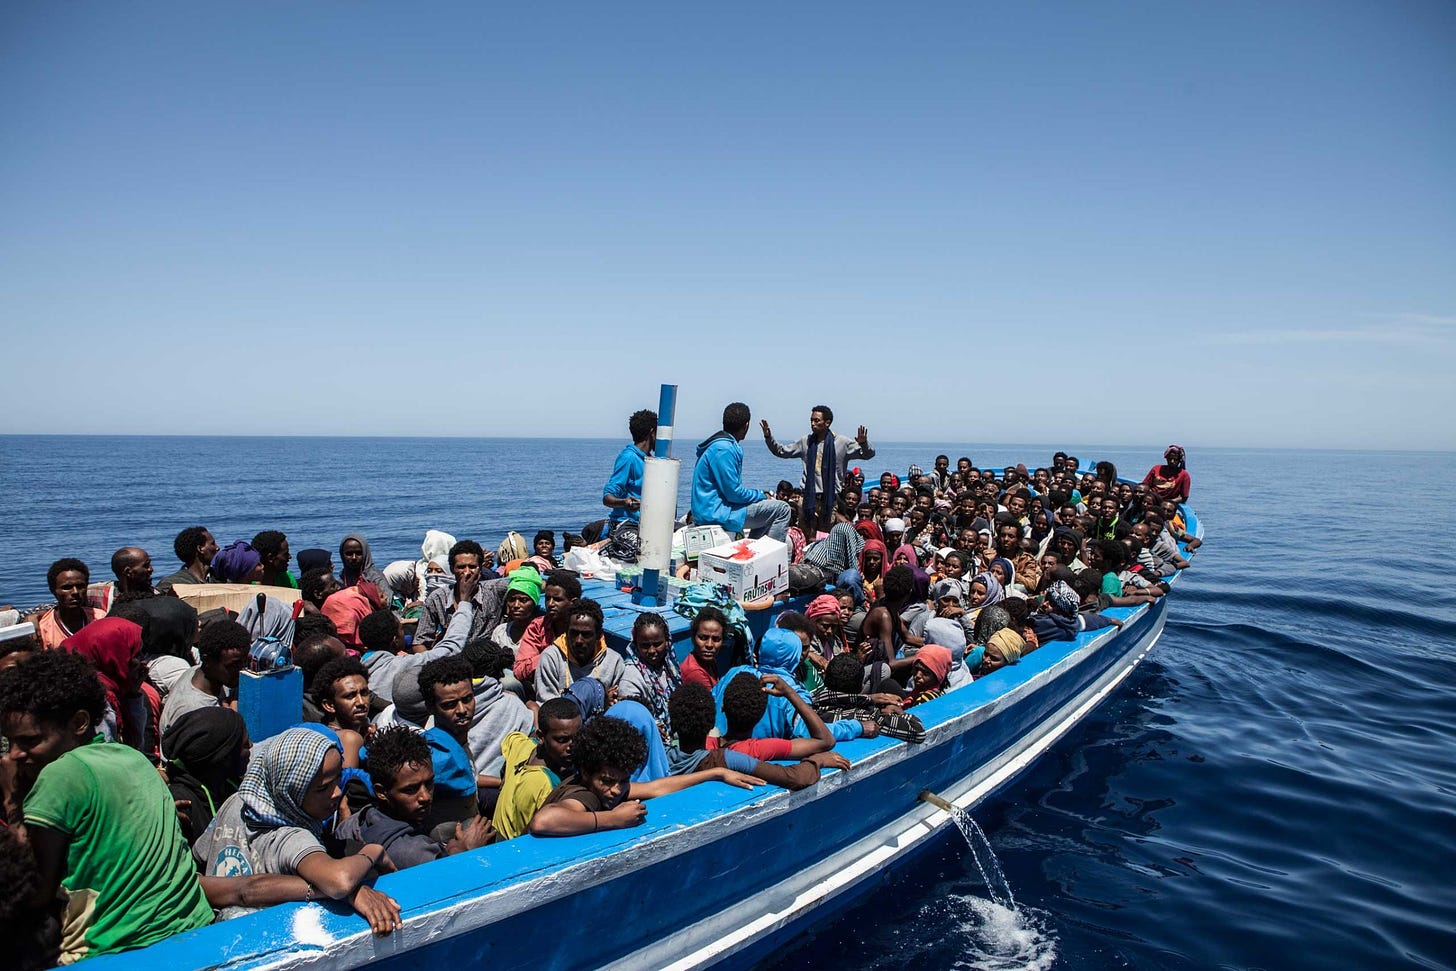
(845, 673)
(64, 565)
(377, 631)
(744, 703)
(641, 424)
(443, 670)
(466, 546)
(267, 543)
(189, 542)
(51, 687)
(311, 585)
(714, 614)
(899, 585)
(557, 710)
(590, 609)
(568, 580)
(393, 748)
(608, 743)
(736, 416)
(792, 620)
(128, 606)
(691, 712)
(322, 686)
(221, 635)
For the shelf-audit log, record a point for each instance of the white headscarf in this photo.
(435, 547)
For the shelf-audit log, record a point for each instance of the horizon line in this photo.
(577, 438)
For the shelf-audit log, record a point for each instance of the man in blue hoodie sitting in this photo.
(719, 496)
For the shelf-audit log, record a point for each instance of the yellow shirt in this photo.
(524, 787)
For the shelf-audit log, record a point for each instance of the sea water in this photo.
(1272, 788)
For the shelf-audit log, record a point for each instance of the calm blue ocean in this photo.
(1274, 788)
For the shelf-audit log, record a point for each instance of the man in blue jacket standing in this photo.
(719, 496)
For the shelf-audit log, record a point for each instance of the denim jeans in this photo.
(769, 516)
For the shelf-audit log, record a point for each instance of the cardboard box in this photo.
(699, 538)
(751, 568)
(233, 596)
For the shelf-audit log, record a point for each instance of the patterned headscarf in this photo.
(278, 779)
(1063, 598)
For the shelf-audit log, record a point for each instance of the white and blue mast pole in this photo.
(659, 504)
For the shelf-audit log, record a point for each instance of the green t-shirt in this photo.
(1111, 585)
(128, 872)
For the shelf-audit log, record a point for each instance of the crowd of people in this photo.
(470, 696)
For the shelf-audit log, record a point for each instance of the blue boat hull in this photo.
(715, 873)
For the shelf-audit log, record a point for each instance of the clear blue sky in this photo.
(1219, 223)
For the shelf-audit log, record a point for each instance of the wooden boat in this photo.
(715, 874)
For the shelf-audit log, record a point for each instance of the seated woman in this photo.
(1004, 647)
(114, 648)
(873, 564)
(522, 606)
(601, 795)
(272, 825)
(932, 668)
(829, 639)
(1060, 619)
(651, 674)
(237, 563)
(359, 565)
(67, 579)
(709, 628)
(581, 652)
(207, 754)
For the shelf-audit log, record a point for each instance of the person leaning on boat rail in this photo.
(100, 821)
(826, 456)
(719, 497)
(534, 765)
(402, 771)
(273, 825)
(601, 795)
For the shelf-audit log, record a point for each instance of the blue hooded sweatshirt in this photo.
(719, 498)
(779, 653)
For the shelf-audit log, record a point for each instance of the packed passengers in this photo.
(450, 704)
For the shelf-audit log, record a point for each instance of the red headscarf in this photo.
(908, 550)
(869, 529)
(938, 659)
(110, 644)
(823, 605)
(875, 544)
